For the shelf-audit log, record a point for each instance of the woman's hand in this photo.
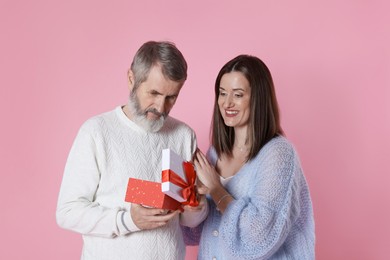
(206, 173)
(211, 182)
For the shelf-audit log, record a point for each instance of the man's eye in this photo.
(171, 98)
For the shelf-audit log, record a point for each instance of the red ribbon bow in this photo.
(188, 188)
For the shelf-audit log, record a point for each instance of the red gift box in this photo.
(178, 178)
(148, 193)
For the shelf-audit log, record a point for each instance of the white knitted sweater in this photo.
(109, 149)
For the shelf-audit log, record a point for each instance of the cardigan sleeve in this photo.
(76, 208)
(191, 235)
(256, 225)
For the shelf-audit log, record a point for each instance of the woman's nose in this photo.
(228, 101)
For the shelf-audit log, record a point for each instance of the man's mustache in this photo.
(154, 111)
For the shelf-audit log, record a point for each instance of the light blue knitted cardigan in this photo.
(271, 216)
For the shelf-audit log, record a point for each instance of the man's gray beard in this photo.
(139, 117)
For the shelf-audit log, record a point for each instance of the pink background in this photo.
(62, 62)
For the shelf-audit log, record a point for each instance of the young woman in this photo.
(259, 201)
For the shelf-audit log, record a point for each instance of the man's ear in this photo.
(130, 79)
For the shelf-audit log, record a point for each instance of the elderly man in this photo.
(127, 142)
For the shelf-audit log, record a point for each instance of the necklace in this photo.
(242, 148)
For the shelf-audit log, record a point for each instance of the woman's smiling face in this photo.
(234, 99)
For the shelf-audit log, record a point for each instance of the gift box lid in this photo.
(172, 161)
(178, 178)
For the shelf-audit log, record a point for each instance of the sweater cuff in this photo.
(125, 223)
(191, 218)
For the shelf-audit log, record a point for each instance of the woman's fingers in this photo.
(201, 158)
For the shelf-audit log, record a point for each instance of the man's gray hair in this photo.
(164, 54)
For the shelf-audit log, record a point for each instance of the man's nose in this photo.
(160, 105)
